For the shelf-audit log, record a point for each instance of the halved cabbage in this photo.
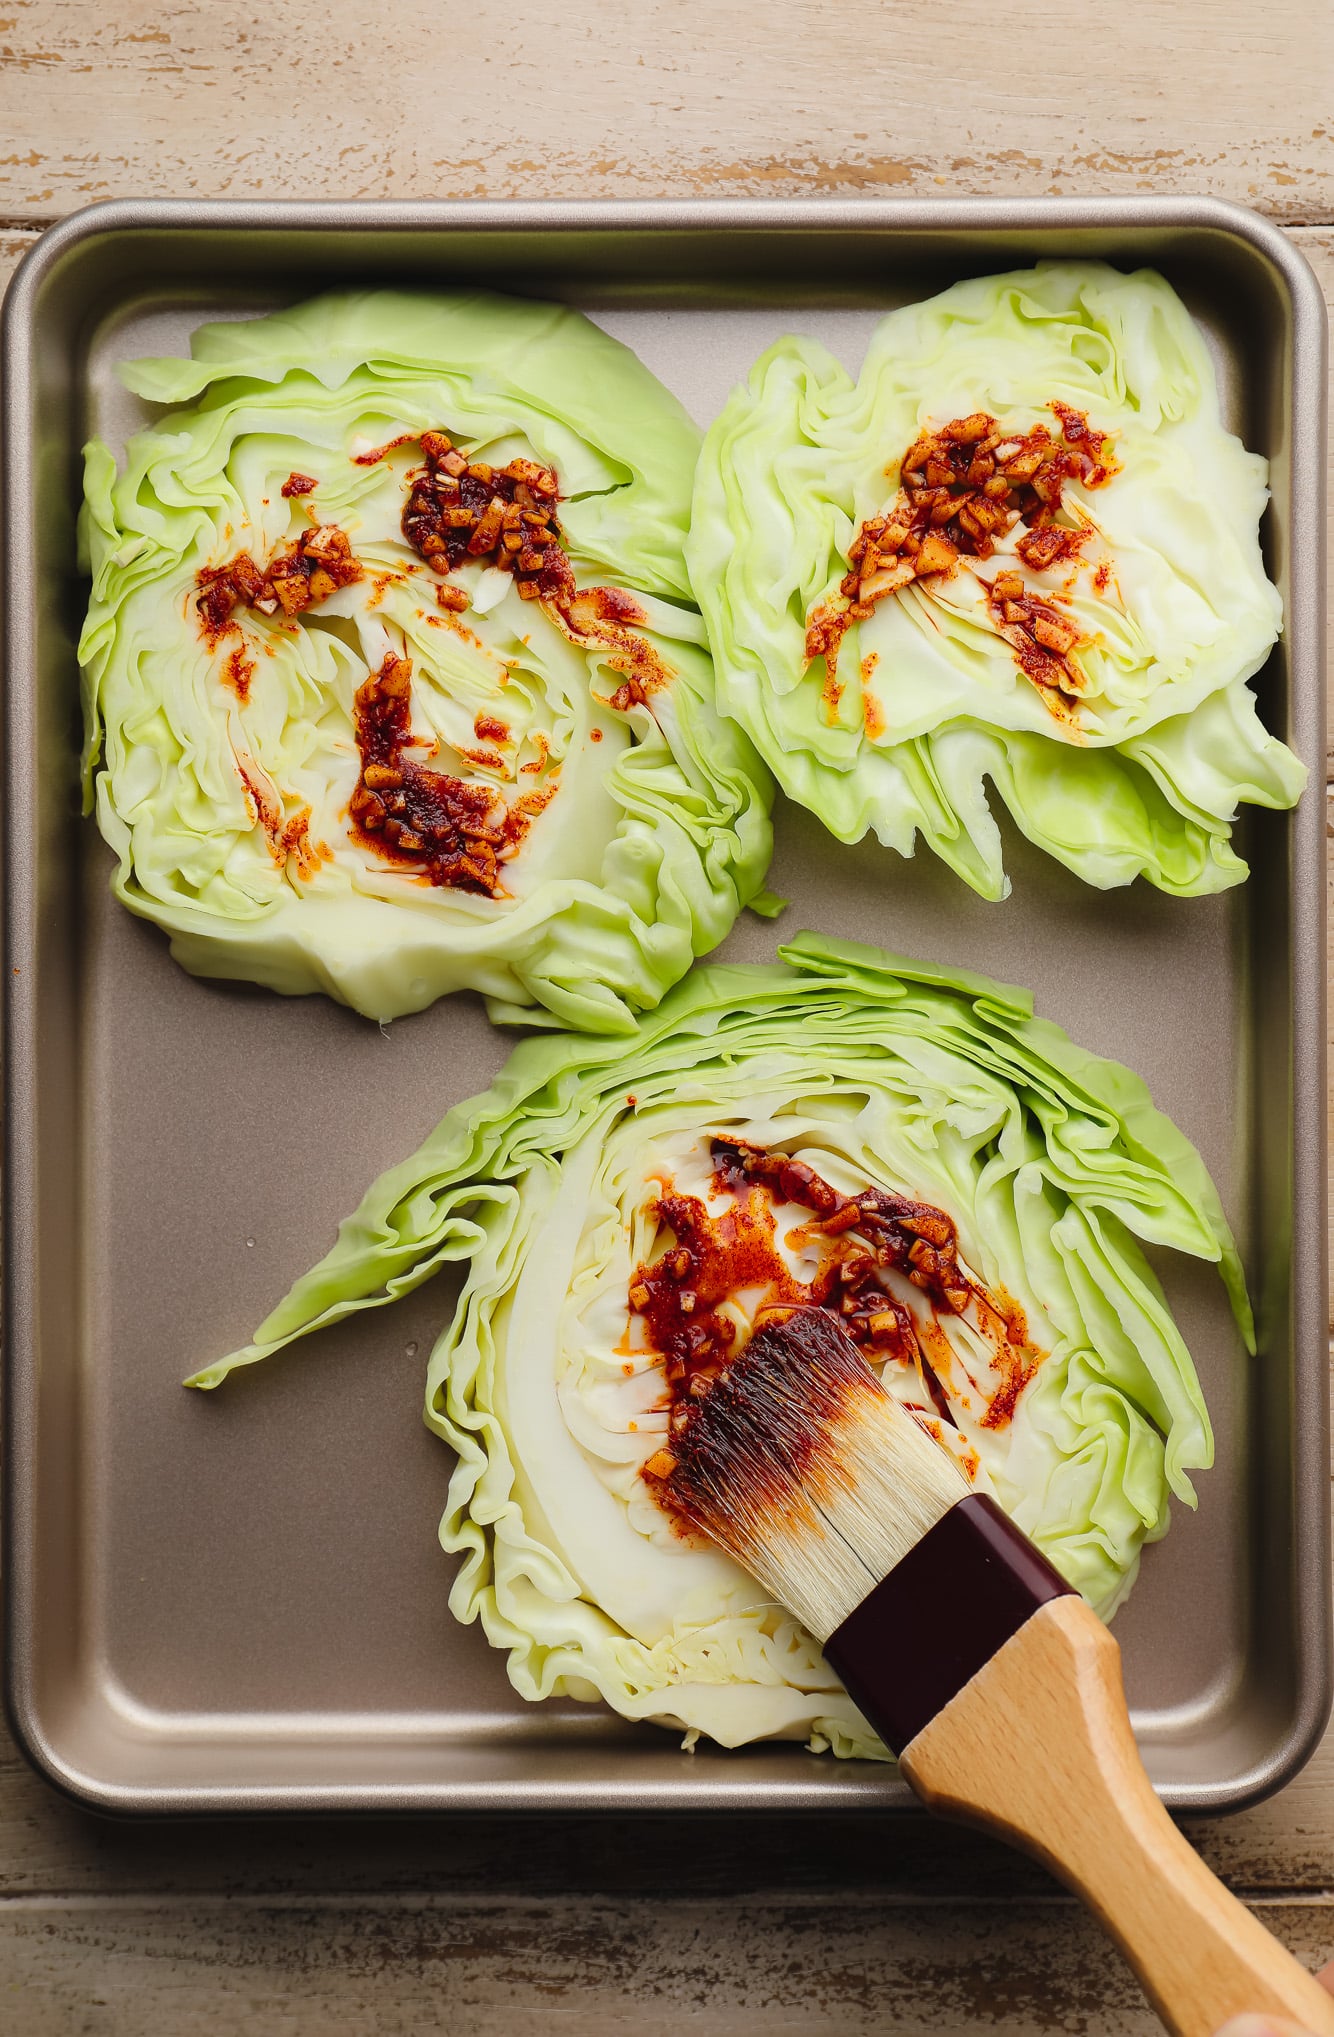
(1035, 1340)
(1084, 643)
(338, 749)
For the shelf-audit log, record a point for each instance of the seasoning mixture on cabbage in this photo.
(393, 679)
(903, 1144)
(1020, 547)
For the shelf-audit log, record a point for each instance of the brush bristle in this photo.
(806, 1470)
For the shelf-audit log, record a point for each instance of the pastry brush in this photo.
(996, 1685)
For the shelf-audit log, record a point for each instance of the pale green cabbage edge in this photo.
(671, 837)
(1053, 1162)
(797, 460)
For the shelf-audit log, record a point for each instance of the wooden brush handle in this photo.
(1038, 1747)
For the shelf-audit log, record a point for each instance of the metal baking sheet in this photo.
(236, 1601)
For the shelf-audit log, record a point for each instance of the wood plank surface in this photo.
(594, 100)
(601, 1968)
(478, 1927)
(408, 1965)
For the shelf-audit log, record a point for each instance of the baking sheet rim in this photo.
(1313, 1669)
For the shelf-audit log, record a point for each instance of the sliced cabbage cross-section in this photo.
(393, 682)
(1020, 547)
(902, 1144)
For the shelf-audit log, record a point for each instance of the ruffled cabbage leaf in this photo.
(874, 1070)
(1137, 767)
(222, 762)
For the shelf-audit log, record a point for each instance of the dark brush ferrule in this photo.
(940, 1615)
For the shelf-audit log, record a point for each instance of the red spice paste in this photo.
(449, 831)
(461, 511)
(962, 487)
(714, 1258)
(301, 574)
(288, 837)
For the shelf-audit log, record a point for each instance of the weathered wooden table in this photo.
(483, 1928)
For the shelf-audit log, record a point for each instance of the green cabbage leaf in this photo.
(1139, 773)
(222, 768)
(1053, 1164)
